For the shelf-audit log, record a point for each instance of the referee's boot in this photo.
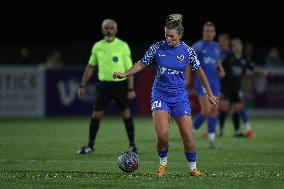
(86, 150)
(133, 149)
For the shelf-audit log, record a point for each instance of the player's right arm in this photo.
(89, 70)
(141, 64)
(137, 67)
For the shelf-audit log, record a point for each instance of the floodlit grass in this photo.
(41, 153)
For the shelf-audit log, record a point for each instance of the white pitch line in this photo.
(143, 162)
(257, 164)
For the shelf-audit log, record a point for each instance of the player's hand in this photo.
(213, 101)
(81, 92)
(118, 75)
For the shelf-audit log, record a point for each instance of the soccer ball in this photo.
(128, 161)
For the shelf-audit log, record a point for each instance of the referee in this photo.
(109, 54)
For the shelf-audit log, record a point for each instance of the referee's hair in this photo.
(109, 22)
(174, 21)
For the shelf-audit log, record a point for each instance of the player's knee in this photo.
(213, 113)
(97, 115)
(205, 113)
(224, 107)
(238, 108)
(126, 114)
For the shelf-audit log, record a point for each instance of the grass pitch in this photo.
(41, 153)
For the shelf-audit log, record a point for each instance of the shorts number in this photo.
(156, 104)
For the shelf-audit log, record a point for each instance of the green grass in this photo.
(41, 153)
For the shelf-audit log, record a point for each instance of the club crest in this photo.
(180, 58)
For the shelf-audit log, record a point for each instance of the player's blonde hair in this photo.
(174, 21)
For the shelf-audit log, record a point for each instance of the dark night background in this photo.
(74, 27)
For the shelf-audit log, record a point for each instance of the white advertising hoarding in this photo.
(22, 91)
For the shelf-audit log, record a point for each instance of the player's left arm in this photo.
(195, 66)
(256, 70)
(259, 71)
(220, 68)
(212, 99)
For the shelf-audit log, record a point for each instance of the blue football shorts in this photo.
(175, 109)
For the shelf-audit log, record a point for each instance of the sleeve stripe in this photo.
(193, 60)
(150, 54)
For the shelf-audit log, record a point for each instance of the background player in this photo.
(235, 66)
(208, 53)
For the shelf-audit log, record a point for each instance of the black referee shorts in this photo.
(233, 96)
(107, 91)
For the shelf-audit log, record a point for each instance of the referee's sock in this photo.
(129, 126)
(222, 119)
(236, 120)
(93, 129)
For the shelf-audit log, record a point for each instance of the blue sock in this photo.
(198, 121)
(191, 157)
(162, 152)
(212, 121)
(244, 115)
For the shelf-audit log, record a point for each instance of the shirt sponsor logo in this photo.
(169, 71)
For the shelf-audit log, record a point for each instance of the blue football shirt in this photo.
(208, 53)
(171, 62)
